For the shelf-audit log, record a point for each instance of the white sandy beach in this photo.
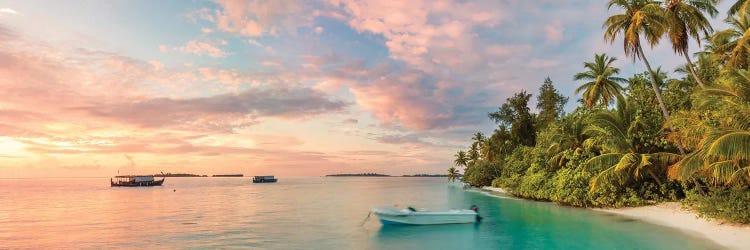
(495, 189)
(671, 214)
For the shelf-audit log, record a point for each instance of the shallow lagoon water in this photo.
(300, 213)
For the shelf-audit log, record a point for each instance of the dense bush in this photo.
(481, 173)
(729, 204)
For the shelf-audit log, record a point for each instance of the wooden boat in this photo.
(410, 216)
(264, 179)
(135, 181)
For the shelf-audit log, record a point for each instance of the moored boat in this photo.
(135, 181)
(410, 216)
(264, 179)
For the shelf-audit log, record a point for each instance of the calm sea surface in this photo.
(303, 213)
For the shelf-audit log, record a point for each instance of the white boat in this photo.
(410, 216)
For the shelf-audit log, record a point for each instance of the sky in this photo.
(291, 88)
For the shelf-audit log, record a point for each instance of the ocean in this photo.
(300, 213)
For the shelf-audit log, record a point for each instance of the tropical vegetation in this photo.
(638, 139)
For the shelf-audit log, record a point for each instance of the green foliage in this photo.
(731, 45)
(514, 113)
(550, 104)
(728, 204)
(481, 173)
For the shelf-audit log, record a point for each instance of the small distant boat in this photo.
(264, 179)
(135, 181)
(410, 216)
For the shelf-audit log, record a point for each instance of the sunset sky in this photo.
(291, 88)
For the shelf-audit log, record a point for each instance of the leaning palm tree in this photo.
(452, 174)
(602, 86)
(723, 154)
(685, 19)
(617, 130)
(642, 18)
(462, 160)
(733, 45)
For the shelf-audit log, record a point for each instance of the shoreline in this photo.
(671, 214)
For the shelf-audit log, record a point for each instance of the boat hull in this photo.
(137, 184)
(392, 216)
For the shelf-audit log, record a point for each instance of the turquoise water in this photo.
(303, 213)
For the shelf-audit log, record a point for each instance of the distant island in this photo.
(358, 175)
(228, 175)
(180, 175)
(427, 175)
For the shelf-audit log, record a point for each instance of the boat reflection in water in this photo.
(135, 181)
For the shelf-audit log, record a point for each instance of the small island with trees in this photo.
(180, 175)
(358, 175)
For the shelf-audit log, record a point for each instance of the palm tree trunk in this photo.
(664, 110)
(651, 172)
(654, 85)
(692, 70)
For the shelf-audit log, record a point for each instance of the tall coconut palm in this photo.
(452, 174)
(733, 45)
(462, 160)
(641, 18)
(603, 85)
(723, 154)
(685, 19)
(623, 157)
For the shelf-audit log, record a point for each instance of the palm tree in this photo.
(452, 174)
(462, 160)
(740, 7)
(623, 156)
(603, 86)
(641, 18)
(724, 152)
(733, 45)
(685, 19)
(708, 69)
(568, 135)
(473, 153)
(478, 144)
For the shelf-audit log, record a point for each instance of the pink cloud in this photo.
(208, 48)
(554, 32)
(407, 99)
(418, 37)
(256, 18)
